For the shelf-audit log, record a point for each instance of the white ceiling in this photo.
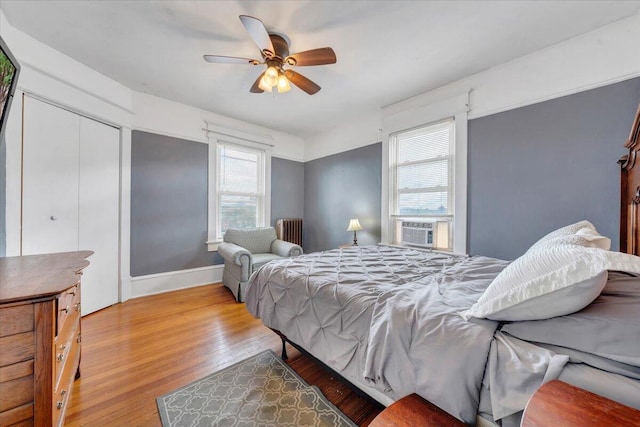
(387, 50)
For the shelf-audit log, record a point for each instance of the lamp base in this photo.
(355, 239)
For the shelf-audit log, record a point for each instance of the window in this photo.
(238, 174)
(240, 187)
(430, 133)
(421, 161)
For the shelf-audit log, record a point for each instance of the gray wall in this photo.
(169, 198)
(537, 168)
(287, 189)
(168, 204)
(337, 188)
(3, 197)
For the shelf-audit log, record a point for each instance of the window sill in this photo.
(212, 246)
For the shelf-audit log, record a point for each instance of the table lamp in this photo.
(354, 225)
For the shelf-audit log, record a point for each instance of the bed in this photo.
(476, 336)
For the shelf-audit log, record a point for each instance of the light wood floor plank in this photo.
(147, 347)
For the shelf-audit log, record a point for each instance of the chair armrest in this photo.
(285, 249)
(234, 253)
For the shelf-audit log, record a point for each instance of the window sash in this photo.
(433, 174)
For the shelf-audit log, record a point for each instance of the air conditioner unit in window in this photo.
(418, 233)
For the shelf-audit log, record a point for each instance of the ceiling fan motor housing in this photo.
(280, 46)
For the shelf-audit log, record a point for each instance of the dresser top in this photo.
(38, 276)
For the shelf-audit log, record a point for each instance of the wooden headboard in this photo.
(630, 192)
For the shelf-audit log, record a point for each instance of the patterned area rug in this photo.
(259, 391)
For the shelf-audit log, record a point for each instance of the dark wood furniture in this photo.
(413, 410)
(630, 192)
(39, 336)
(560, 404)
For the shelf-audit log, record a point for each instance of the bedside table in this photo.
(345, 246)
(413, 410)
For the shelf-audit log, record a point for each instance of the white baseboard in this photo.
(174, 280)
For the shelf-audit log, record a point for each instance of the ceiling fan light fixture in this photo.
(264, 84)
(283, 84)
(271, 76)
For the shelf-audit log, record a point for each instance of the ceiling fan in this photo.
(275, 54)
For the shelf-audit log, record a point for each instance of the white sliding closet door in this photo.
(71, 194)
(51, 139)
(99, 194)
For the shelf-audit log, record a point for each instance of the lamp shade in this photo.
(271, 76)
(283, 84)
(354, 225)
(264, 85)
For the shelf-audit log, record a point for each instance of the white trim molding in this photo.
(222, 132)
(174, 280)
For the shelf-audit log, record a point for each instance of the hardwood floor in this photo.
(147, 347)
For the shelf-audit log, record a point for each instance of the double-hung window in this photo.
(239, 180)
(422, 175)
(240, 192)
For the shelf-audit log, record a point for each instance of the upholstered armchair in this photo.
(246, 250)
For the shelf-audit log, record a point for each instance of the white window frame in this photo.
(406, 119)
(263, 219)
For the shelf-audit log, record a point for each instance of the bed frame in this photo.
(630, 192)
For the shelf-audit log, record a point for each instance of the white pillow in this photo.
(569, 229)
(548, 283)
(595, 239)
(583, 226)
(586, 237)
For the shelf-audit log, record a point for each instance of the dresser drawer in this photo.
(65, 345)
(60, 401)
(68, 303)
(62, 391)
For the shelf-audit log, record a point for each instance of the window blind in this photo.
(423, 171)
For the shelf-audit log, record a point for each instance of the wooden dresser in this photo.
(39, 336)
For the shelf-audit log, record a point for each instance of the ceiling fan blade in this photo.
(229, 60)
(302, 82)
(259, 34)
(321, 56)
(255, 88)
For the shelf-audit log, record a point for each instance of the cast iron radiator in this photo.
(290, 230)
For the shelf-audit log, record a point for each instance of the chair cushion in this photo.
(261, 259)
(255, 240)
